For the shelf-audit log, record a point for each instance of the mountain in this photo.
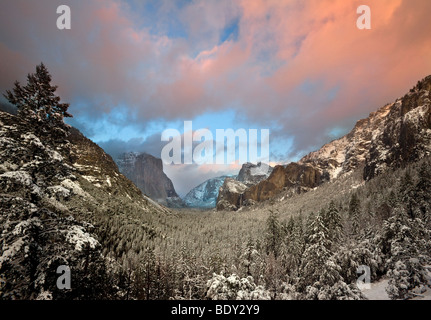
(293, 178)
(230, 196)
(205, 195)
(146, 172)
(395, 135)
(405, 136)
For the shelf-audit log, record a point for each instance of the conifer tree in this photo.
(251, 260)
(354, 212)
(316, 253)
(37, 100)
(407, 194)
(393, 200)
(294, 246)
(274, 234)
(148, 270)
(406, 243)
(332, 220)
(308, 226)
(423, 192)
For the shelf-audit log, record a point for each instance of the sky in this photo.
(302, 69)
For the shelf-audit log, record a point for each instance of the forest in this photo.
(269, 253)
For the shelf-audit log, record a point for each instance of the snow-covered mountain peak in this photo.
(205, 195)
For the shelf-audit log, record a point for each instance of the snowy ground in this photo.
(424, 296)
(378, 292)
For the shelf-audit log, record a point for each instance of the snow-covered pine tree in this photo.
(308, 229)
(407, 194)
(274, 234)
(406, 242)
(316, 254)
(353, 254)
(37, 101)
(189, 275)
(422, 192)
(320, 276)
(294, 245)
(251, 261)
(332, 220)
(354, 213)
(233, 287)
(274, 275)
(148, 269)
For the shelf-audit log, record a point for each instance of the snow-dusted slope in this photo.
(394, 135)
(350, 151)
(405, 135)
(205, 195)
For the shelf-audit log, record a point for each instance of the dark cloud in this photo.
(152, 145)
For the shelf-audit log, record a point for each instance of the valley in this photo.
(301, 231)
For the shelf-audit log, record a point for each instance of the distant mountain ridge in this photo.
(206, 194)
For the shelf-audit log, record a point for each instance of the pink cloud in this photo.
(107, 60)
(319, 41)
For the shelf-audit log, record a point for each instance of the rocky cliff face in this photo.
(394, 135)
(405, 135)
(350, 151)
(230, 195)
(146, 172)
(295, 177)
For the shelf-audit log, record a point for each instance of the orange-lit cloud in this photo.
(301, 67)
